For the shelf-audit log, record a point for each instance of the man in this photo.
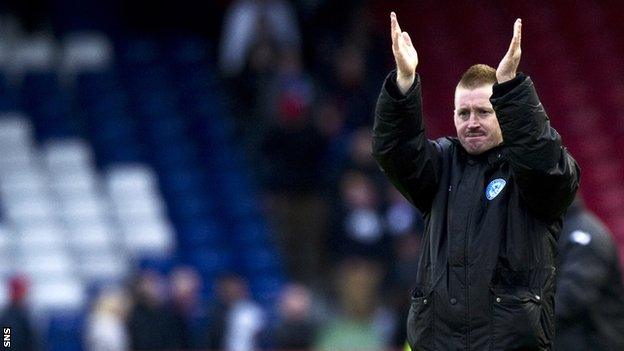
(492, 199)
(590, 293)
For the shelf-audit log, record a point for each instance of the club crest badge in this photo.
(580, 237)
(494, 188)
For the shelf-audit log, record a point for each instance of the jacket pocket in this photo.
(516, 320)
(420, 322)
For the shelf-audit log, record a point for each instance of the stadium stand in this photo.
(108, 159)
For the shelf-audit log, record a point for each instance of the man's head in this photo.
(475, 121)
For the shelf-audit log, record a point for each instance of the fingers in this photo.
(393, 18)
(518, 28)
(509, 64)
(395, 30)
(514, 46)
(517, 34)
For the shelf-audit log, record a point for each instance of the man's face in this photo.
(475, 120)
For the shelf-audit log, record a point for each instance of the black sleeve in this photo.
(411, 162)
(545, 172)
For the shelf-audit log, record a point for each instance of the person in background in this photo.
(358, 220)
(15, 316)
(235, 321)
(149, 323)
(185, 284)
(590, 294)
(356, 325)
(249, 23)
(293, 159)
(296, 329)
(106, 327)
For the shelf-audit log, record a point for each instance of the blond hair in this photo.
(477, 76)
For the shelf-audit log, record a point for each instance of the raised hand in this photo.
(509, 64)
(405, 55)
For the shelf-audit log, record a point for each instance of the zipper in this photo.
(466, 279)
(468, 224)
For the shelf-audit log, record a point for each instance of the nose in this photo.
(473, 121)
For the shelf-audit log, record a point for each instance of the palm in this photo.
(509, 64)
(404, 52)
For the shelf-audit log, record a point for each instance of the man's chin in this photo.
(476, 149)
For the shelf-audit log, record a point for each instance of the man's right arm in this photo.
(411, 162)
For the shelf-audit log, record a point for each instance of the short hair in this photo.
(476, 76)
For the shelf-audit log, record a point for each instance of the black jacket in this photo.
(487, 271)
(590, 294)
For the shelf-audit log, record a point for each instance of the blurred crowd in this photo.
(302, 85)
(305, 113)
(157, 311)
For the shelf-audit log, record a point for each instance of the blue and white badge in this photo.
(580, 237)
(494, 188)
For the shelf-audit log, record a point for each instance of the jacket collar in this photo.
(492, 156)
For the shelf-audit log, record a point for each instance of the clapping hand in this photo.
(405, 55)
(509, 64)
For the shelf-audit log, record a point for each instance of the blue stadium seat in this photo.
(8, 99)
(249, 234)
(65, 331)
(185, 50)
(211, 263)
(138, 51)
(201, 234)
(89, 83)
(260, 261)
(39, 83)
(162, 265)
(266, 288)
(185, 180)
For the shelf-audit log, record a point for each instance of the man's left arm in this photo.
(545, 172)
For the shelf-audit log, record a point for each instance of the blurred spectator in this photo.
(590, 293)
(284, 93)
(106, 325)
(295, 328)
(404, 224)
(351, 88)
(289, 92)
(360, 157)
(329, 121)
(235, 321)
(358, 222)
(250, 23)
(400, 216)
(185, 285)
(294, 152)
(150, 323)
(403, 270)
(355, 327)
(292, 146)
(15, 316)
